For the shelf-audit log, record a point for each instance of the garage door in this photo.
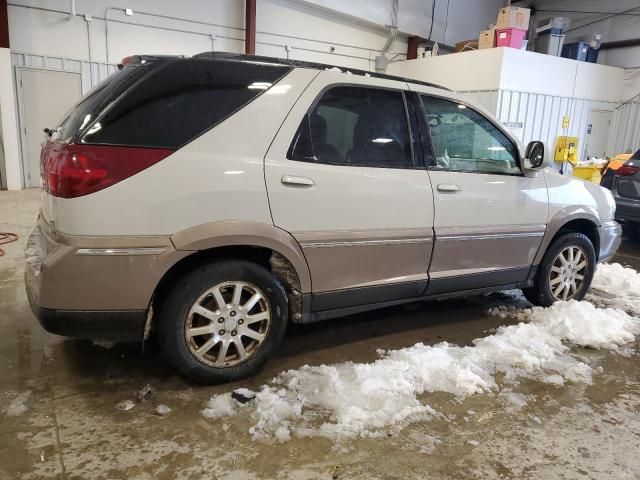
(45, 97)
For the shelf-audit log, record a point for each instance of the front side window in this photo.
(464, 140)
(355, 126)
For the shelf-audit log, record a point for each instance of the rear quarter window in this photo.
(180, 100)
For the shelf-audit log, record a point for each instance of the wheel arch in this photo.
(266, 245)
(571, 220)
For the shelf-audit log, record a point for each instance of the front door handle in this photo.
(449, 188)
(297, 181)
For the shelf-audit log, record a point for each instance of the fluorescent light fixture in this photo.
(259, 85)
(382, 140)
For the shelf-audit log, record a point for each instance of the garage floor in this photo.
(58, 397)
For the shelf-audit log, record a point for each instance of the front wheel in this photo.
(566, 271)
(222, 321)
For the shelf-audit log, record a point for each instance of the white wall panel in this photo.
(487, 98)
(192, 26)
(625, 129)
(92, 72)
(473, 70)
(454, 20)
(541, 115)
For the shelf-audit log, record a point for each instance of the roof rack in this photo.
(303, 64)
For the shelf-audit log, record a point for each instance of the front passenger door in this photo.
(489, 218)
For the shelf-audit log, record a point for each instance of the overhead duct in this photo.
(381, 60)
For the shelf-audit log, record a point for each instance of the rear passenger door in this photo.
(489, 217)
(345, 177)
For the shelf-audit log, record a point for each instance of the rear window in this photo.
(80, 118)
(181, 100)
(635, 156)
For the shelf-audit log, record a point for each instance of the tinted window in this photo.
(78, 120)
(355, 126)
(464, 140)
(635, 156)
(180, 100)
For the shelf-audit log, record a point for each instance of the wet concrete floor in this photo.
(58, 417)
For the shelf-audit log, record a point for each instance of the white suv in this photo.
(214, 199)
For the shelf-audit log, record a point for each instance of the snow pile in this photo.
(220, 406)
(616, 286)
(373, 399)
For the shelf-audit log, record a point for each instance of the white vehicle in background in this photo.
(216, 198)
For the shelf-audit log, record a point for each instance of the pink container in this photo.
(510, 37)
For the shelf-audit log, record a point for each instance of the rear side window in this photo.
(181, 100)
(355, 126)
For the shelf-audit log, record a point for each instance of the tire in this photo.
(549, 284)
(632, 231)
(193, 304)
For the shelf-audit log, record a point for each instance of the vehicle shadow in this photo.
(353, 338)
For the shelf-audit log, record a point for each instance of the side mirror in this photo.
(533, 156)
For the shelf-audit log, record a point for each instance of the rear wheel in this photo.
(566, 271)
(222, 321)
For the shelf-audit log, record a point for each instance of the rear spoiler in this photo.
(143, 59)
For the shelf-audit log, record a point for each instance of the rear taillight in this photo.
(73, 170)
(627, 170)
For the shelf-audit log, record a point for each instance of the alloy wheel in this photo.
(227, 324)
(567, 273)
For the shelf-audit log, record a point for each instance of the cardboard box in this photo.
(513, 17)
(487, 39)
(466, 45)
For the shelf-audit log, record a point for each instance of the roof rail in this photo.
(302, 64)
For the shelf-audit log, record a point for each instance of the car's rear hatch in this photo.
(627, 180)
(68, 167)
(140, 115)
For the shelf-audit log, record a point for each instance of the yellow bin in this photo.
(591, 174)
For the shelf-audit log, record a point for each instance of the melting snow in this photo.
(617, 287)
(373, 399)
(220, 406)
(17, 406)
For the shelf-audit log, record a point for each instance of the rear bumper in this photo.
(627, 210)
(93, 287)
(124, 325)
(610, 238)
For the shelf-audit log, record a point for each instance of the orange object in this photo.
(617, 161)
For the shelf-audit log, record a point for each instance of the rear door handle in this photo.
(449, 188)
(297, 181)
